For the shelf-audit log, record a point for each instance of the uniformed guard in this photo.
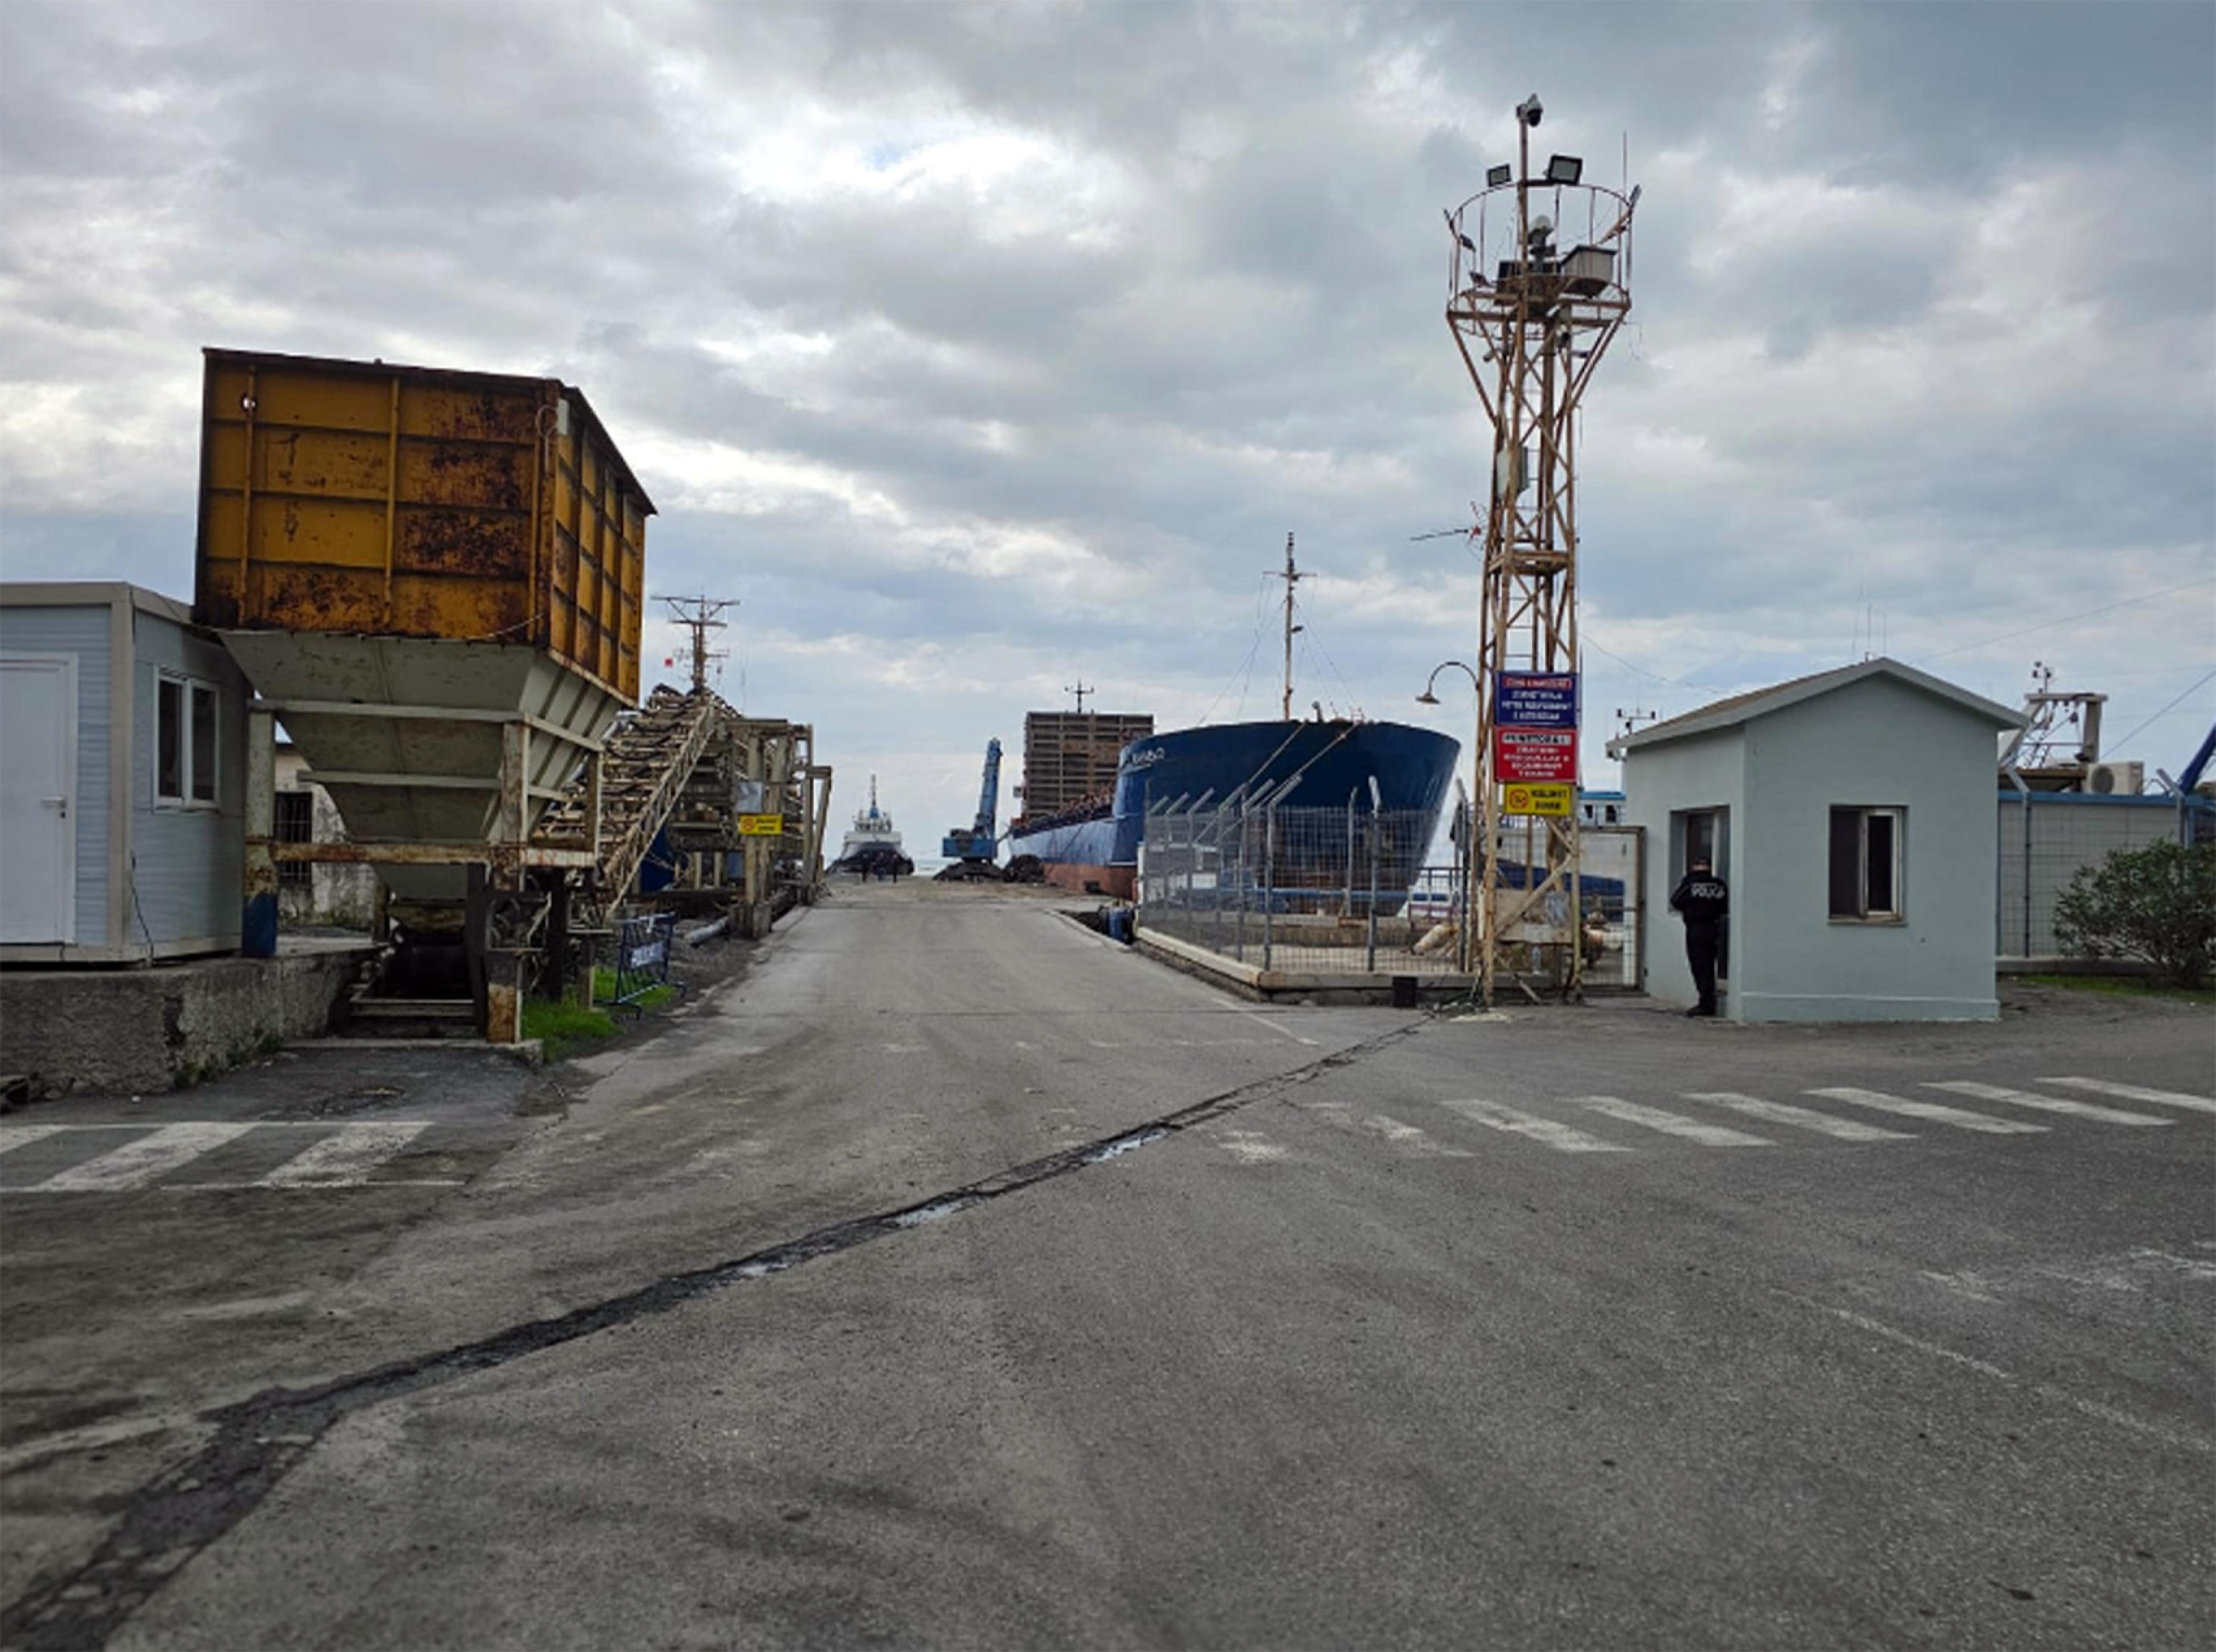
(1702, 900)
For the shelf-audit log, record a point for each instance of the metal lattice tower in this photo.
(1531, 322)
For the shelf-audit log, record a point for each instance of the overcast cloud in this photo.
(978, 349)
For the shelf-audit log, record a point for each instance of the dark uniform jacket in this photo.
(1700, 898)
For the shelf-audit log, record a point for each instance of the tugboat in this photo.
(873, 844)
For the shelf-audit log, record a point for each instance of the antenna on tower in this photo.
(1081, 689)
(1539, 283)
(700, 614)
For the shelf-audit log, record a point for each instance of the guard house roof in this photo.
(1745, 708)
(91, 593)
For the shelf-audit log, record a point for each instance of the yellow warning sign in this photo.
(761, 826)
(1537, 798)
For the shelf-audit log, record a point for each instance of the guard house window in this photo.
(295, 824)
(1865, 863)
(184, 742)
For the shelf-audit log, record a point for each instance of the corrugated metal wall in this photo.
(83, 632)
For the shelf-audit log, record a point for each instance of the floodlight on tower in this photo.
(1530, 339)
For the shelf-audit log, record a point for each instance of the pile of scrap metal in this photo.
(968, 871)
(1026, 868)
(876, 860)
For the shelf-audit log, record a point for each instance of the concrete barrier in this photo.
(138, 1030)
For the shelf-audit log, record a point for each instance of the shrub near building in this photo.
(2157, 905)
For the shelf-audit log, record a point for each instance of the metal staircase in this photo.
(645, 768)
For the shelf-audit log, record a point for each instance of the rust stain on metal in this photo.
(419, 502)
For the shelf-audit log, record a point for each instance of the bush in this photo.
(2156, 904)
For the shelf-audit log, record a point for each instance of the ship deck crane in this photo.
(979, 841)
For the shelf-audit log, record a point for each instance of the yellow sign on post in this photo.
(761, 826)
(1537, 797)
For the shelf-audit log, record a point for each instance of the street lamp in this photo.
(1466, 938)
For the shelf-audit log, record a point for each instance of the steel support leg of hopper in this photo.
(556, 975)
(258, 915)
(501, 968)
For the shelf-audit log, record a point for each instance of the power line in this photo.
(2165, 711)
(2072, 619)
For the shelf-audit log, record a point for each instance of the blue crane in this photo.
(979, 841)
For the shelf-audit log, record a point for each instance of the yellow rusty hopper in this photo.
(410, 563)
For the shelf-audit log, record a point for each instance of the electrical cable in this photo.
(1245, 674)
(2165, 710)
(2072, 619)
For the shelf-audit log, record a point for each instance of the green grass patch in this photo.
(2127, 986)
(563, 1026)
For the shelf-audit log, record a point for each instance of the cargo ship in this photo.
(1089, 844)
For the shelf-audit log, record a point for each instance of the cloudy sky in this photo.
(978, 350)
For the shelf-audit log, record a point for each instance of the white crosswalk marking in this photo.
(1653, 1118)
(1560, 1137)
(2044, 1103)
(136, 1163)
(22, 1135)
(2137, 1093)
(1802, 1118)
(1416, 1141)
(1930, 1110)
(345, 1158)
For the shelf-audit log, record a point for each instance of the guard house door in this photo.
(38, 804)
(1703, 834)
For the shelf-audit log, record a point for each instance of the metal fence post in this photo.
(1269, 881)
(1239, 908)
(1347, 908)
(1370, 963)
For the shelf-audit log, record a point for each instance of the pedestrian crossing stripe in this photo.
(1566, 1138)
(1412, 1139)
(1560, 1137)
(1799, 1118)
(136, 1163)
(342, 1155)
(1653, 1118)
(2135, 1093)
(2044, 1103)
(1930, 1110)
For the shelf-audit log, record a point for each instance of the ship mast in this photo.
(1292, 576)
(700, 614)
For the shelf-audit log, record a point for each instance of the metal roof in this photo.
(1760, 703)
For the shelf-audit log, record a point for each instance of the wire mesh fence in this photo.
(2045, 838)
(1355, 891)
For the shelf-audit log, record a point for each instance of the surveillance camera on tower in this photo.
(1529, 110)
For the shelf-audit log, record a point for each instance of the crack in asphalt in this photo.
(260, 1440)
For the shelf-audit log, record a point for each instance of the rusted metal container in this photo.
(427, 572)
(365, 499)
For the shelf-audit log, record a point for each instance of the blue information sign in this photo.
(1534, 699)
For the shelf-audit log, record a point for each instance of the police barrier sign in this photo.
(1544, 754)
(1544, 798)
(761, 826)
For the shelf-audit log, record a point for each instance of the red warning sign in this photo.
(1544, 754)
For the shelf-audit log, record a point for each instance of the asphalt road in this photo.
(957, 1277)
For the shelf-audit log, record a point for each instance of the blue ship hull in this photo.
(1205, 768)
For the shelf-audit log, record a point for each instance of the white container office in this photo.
(122, 789)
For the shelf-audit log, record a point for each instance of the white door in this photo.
(38, 799)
